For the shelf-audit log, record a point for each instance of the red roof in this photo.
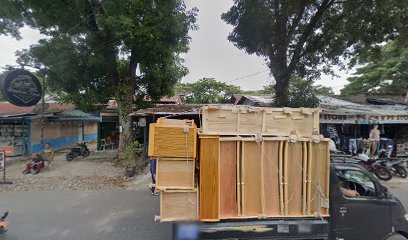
(10, 109)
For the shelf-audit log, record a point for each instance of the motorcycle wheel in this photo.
(400, 171)
(382, 173)
(69, 157)
(86, 153)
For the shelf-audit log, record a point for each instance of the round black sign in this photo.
(20, 88)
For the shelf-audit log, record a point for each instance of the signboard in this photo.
(3, 167)
(20, 87)
(2, 160)
(363, 119)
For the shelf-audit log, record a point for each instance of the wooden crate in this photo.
(179, 205)
(175, 173)
(209, 177)
(173, 140)
(244, 120)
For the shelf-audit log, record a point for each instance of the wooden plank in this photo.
(151, 142)
(271, 180)
(175, 174)
(309, 177)
(239, 187)
(304, 172)
(281, 180)
(319, 178)
(294, 179)
(228, 179)
(263, 156)
(178, 205)
(285, 177)
(251, 172)
(209, 178)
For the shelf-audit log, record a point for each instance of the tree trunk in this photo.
(282, 90)
(280, 72)
(125, 102)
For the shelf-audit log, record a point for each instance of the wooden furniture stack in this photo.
(174, 144)
(262, 163)
(253, 163)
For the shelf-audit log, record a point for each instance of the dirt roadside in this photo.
(95, 172)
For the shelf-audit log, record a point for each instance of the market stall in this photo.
(355, 126)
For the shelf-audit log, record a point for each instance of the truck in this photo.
(375, 214)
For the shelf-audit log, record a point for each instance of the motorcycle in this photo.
(395, 165)
(375, 167)
(3, 223)
(80, 150)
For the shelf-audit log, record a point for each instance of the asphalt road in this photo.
(90, 215)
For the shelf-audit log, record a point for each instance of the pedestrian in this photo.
(48, 154)
(153, 174)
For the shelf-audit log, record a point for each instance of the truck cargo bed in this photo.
(260, 229)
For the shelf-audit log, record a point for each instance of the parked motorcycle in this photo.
(375, 167)
(395, 165)
(3, 223)
(80, 150)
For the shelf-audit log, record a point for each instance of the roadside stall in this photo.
(351, 126)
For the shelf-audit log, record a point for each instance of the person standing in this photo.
(375, 140)
(153, 175)
(48, 154)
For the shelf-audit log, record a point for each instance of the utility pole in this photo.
(43, 112)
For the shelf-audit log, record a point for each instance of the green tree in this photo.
(301, 93)
(305, 38)
(207, 91)
(385, 69)
(93, 48)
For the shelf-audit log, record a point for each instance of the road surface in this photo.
(76, 215)
(102, 215)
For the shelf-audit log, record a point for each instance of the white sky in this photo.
(210, 55)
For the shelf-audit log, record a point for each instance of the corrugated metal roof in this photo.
(336, 106)
(168, 109)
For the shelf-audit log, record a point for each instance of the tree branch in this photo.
(92, 25)
(296, 20)
(309, 28)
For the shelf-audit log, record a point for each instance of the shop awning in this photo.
(344, 112)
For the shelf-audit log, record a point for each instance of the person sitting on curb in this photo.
(35, 164)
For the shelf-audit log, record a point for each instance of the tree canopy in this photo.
(207, 91)
(301, 93)
(305, 38)
(384, 70)
(93, 48)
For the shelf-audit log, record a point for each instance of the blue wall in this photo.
(62, 142)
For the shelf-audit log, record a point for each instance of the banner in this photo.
(363, 119)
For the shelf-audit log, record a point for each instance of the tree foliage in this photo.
(207, 91)
(93, 48)
(301, 93)
(305, 38)
(385, 69)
